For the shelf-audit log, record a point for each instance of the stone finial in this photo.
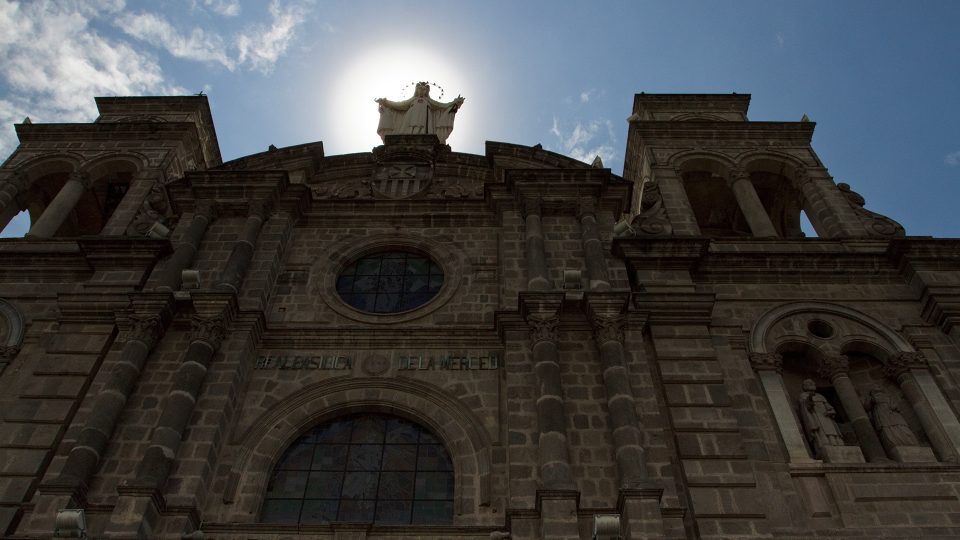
(903, 363)
(543, 328)
(767, 361)
(145, 329)
(607, 328)
(832, 366)
(209, 330)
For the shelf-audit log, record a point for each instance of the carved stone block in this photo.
(842, 454)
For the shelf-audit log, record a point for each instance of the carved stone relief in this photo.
(875, 223)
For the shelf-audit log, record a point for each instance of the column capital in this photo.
(260, 209)
(903, 363)
(769, 361)
(833, 366)
(608, 328)
(19, 181)
(543, 328)
(146, 329)
(206, 208)
(737, 175)
(586, 206)
(208, 329)
(81, 177)
(530, 205)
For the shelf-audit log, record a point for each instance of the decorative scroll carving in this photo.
(877, 224)
(155, 209)
(904, 362)
(607, 328)
(652, 219)
(767, 361)
(831, 366)
(344, 190)
(460, 188)
(543, 329)
(209, 330)
(146, 329)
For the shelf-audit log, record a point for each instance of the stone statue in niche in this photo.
(419, 115)
(817, 417)
(887, 420)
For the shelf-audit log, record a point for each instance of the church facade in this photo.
(417, 343)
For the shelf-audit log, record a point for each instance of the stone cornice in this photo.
(792, 132)
(155, 131)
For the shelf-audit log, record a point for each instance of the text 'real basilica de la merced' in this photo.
(418, 343)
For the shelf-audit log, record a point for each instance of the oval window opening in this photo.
(390, 282)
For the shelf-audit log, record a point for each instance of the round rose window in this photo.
(389, 282)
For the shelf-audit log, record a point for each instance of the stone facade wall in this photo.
(653, 382)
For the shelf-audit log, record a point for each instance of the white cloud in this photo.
(198, 45)
(780, 39)
(54, 63)
(952, 159)
(257, 48)
(580, 142)
(262, 46)
(227, 8)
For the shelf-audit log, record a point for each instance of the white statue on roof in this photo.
(419, 115)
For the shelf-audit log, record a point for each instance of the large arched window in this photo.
(369, 468)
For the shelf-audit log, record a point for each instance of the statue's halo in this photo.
(403, 91)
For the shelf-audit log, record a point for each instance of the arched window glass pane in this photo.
(363, 468)
(389, 282)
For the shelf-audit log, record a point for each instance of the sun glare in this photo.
(386, 71)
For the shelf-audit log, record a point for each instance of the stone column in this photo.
(836, 369)
(60, 207)
(826, 207)
(207, 334)
(537, 277)
(750, 205)
(9, 203)
(901, 369)
(769, 367)
(595, 259)
(186, 250)
(675, 201)
(543, 321)
(621, 406)
(85, 455)
(236, 269)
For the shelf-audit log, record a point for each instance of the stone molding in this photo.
(766, 361)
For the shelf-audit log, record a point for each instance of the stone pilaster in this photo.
(186, 250)
(537, 276)
(769, 366)
(595, 258)
(60, 207)
(542, 314)
(239, 261)
(141, 498)
(836, 369)
(607, 313)
(84, 457)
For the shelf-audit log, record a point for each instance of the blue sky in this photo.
(881, 79)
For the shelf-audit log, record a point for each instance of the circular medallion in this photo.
(375, 365)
